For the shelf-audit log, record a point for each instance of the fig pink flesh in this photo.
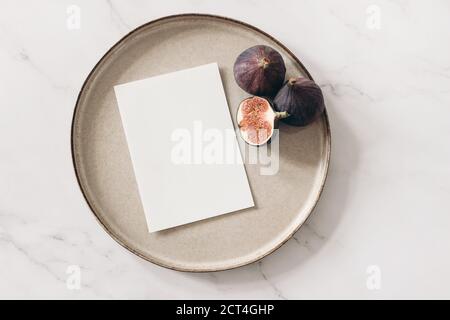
(256, 120)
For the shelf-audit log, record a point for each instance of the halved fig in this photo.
(256, 120)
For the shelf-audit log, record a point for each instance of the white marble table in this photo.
(381, 229)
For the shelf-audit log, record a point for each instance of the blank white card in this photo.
(178, 128)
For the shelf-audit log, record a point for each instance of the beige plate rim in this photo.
(72, 140)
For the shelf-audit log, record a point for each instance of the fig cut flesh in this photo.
(256, 120)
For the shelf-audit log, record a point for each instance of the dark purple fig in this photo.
(302, 99)
(260, 71)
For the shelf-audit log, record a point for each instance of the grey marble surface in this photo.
(381, 227)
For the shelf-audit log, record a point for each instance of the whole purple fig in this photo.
(302, 99)
(260, 71)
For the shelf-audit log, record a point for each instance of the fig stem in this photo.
(264, 62)
(292, 81)
(281, 115)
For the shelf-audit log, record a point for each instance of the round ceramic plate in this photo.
(105, 173)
